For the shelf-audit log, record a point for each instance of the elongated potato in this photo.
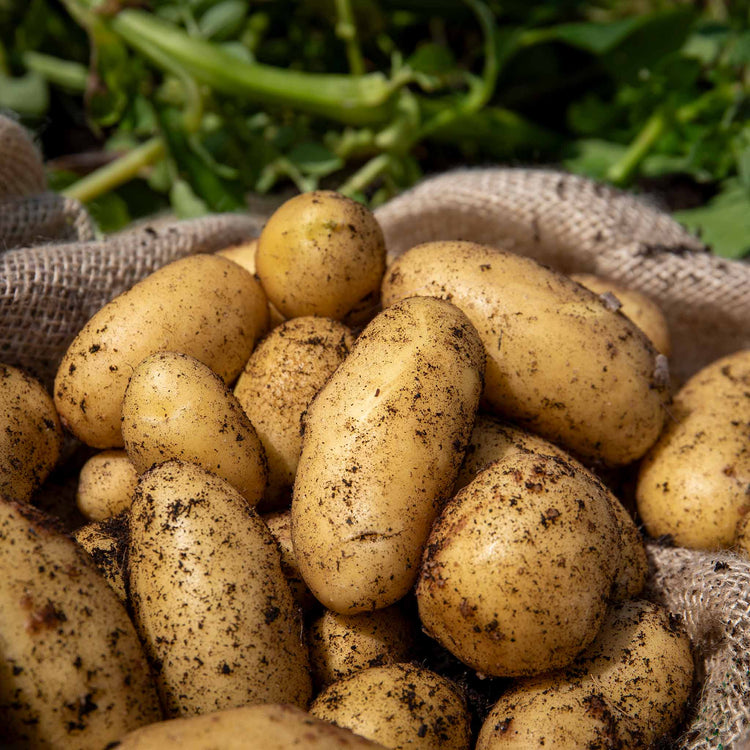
(72, 671)
(176, 407)
(30, 434)
(559, 361)
(203, 305)
(211, 604)
(383, 442)
(106, 485)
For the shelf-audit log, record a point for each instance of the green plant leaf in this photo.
(223, 20)
(314, 159)
(27, 95)
(592, 156)
(110, 212)
(186, 204)
(432, 59)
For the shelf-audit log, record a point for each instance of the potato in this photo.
(399, 706)
(210, 602)
(265, 727)
(692, 485)
(176, 407)
(203, 305)
(559, 362)
(72, 672)
(278, 383)
(106, 542)
(383, 442)
(30, 434)
(343, 644)
(106, 485)
(645, 313)
(320, 253)
(519, 567)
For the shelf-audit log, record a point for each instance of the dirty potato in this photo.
(106, 485)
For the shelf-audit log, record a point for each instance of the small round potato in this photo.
(176, 407)
(106, 542)
(399, 706)
(30, 434)
(106, 485)
(320, 253)
(279, 381)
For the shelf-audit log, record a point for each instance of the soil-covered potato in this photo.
(106, 485)
(107, 543)
(279, 381)
(72, 671)
(560, 362)
(399, 706)
(177, 407)
(383, 442)
(30, 434)
(203, 305)
(216, 615)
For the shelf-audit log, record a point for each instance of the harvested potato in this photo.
(343, 644)
(106, 542)
(106, 485)
(72, 671)
(278, 383)
(693, 484)
(203, 305)
(399, 706)
(265, 727)
(643, 311)
(176, 407)
(210, 602)
(742, 536)
(30, 434)
(383, 442)
(520, 565)
(320, 253)
(559, 362)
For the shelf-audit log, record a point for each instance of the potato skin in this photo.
(519, 567)
(203, 305)
(383, 442)
(210, 602)
(279, 381)
(106, 485)
(106, 542)
(72, 671)
(30, 434)
(176, 407)
(559, 362)
(398, 705)
(320, 253)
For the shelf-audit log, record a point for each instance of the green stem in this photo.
(64, 73)
(117, 172)
(366, 174)
(346, 29)
(624, 168)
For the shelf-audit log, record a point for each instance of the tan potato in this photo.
(72, 671)
(383, 442)
(203, 305)
(520, 565)
(265, 727)
(341, 645)
(278, 383)
(30, 434)
(559, 362)
(106, 485)
(106, 542)
(692, 485)
(210, 602)
(399, 706)
(176, 407)
(320, 253)
(742, 536)
(643, 311)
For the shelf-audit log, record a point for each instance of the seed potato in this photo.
(30, 434)
(399, 706)
(177, 407)
(203, 305)
(106, 542)
(210, 602)
(106, 485)
(559, 362)
(72, 671)
(383, 442)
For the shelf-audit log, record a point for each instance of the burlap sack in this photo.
(49, 290)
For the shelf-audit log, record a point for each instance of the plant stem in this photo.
(366, 174)
(623, 169)
(116, 173)
(346, 29)
(64, 73)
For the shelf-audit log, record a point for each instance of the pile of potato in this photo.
(332, 503)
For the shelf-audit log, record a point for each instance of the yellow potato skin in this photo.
(30, 434)
(559, 362)
(209, 599)
(106, 485)
(106, 542)
(383, 442)
(177, 408)
(203, 305)
(72, 671)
